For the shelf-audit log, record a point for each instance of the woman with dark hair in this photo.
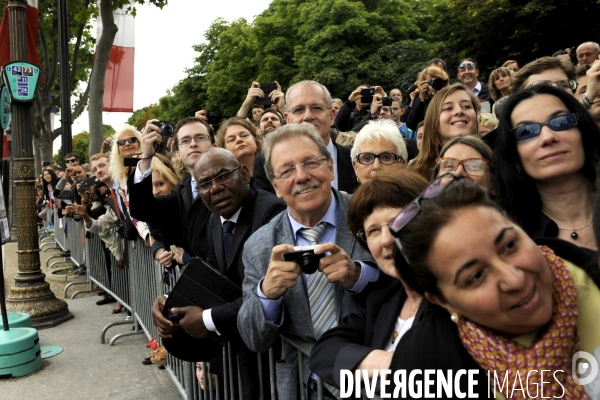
(504, 303)
(46, 201)
(365, 340)
(452, 112)
(547, 154)
(469, 157)
(240, 137)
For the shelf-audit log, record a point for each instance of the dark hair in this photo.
(559, 53)
(537, 66)
(257, 106)
(438, 61)
(189, 120)
(272, 111)
(517, 192)
(468, 59)
(53, 182)
(581, 70)
(420, 124)
(71, 155)
(388, 189)
(420, 233)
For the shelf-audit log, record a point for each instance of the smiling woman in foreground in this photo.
(513, 303)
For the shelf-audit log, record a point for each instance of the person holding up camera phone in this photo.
(266, 94)
(356, 110)
(431, 80)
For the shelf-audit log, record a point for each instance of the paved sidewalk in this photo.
(89, 370)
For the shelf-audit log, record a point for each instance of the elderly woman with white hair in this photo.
(377, 146)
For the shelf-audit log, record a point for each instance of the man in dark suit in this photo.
(309, 101)
(467, 73)
(237, 212)
(278, 297)
(193, 136)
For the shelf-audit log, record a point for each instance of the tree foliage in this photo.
(81, 143)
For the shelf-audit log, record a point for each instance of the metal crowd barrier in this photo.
(137, 288)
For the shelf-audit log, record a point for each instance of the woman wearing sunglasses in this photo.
(367, 339)
(504, 303)
(126, 143)
(469, 157)
(547, 154)
(377, 147)
(451, 113)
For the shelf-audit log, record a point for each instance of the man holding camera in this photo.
(192, 137)
(256, 93)
(356, 109)
(278, 297)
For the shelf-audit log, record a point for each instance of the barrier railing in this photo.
(136, 288)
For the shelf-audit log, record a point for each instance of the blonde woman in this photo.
(431, 81)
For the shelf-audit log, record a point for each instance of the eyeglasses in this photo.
(372, 234)
(409, 212)
(130, 140)
(468, 65)
(307, 166)
(316, 110)
(562, 84)
(187, 140)
(71, 160)
(384, 158)
(472, 166)
(560, 123)
(221, 179)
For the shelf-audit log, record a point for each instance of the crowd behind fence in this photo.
(136, 287)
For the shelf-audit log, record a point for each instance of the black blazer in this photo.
(251, 218)
(346, 176)
(178, 210)
(359, 333)
(484, 93)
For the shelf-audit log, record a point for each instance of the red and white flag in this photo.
(118, 80)
(32, 35)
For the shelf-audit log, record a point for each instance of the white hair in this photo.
(377, 131)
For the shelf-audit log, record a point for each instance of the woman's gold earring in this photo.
(454, 317)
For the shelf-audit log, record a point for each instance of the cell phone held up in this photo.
(305, 257)
(267, 88)
(367, 95)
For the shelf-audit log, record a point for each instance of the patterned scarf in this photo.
(552, 350)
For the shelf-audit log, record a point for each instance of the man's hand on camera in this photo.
(338, 266)
(281, 275)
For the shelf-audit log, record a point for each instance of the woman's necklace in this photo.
(574, 234)
(414, 310)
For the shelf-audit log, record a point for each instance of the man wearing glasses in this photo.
(467, 73)
(309, 101)
(182, 210)
(279, 298)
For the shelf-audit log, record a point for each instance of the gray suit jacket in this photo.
(295, 320)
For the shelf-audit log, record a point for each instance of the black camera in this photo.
(305, 257)
(387, 101)
(367, 95)
(437, 83)
(213, 117)
(46, 163)
(165, 129)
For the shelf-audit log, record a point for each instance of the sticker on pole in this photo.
(4, 107)
(21, 78)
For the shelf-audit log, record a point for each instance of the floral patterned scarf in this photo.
(552, 349)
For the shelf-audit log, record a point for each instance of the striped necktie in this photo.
(320, 291)
(194, 189)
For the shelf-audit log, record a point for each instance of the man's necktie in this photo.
(194, 190)
(320, 291)
(228, 240)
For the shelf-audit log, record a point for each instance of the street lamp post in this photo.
(30, 293)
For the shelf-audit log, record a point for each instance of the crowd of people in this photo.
(453, 226)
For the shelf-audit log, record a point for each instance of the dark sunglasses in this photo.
(130, 140)
(560, 123)
(408, 213)
(71, 160)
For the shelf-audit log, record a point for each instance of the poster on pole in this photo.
(4, 230)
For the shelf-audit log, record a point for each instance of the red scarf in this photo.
(552, 350)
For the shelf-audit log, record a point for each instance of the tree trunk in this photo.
(109, 31)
